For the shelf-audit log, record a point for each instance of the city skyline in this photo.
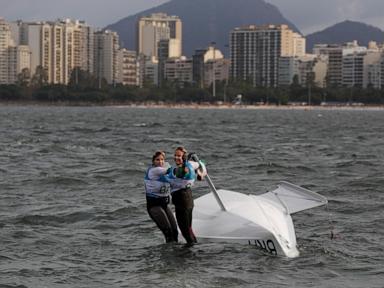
(312, 16)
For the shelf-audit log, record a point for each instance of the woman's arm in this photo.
(199, 168)
(157, 172)
(195, 165)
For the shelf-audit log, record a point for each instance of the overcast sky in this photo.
(308, 15)
(314, 15)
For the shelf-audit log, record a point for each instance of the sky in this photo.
(308, 15)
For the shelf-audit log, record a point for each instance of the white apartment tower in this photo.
(159, 26)
(58, 46)
(18, 59)
(13, 57)
(72, 47)
(288, 69)
(208, 65)
(255, 52)
(87, 43)
(58, 69)
(128, 68)
(314, 66)
(167, 48)
(335, 54)
(148, 71)
(106, 49)
(38, 37)
(5, 43)
(299, 43)
(216, 68)
(362, 69)
(178, 70)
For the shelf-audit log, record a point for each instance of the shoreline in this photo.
(253, 107)
(149, 105)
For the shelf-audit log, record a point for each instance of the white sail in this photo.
(294, 198)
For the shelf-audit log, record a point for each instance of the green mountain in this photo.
(205, 21)
(346, 31)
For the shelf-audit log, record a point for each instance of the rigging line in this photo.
(330, 221)
(282, 203)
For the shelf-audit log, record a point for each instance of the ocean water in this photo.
(72, 207)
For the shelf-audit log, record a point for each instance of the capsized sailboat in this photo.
(260, 220)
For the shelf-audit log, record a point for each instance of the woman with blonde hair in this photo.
(182, 179)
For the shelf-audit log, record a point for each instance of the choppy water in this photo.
(72, 209)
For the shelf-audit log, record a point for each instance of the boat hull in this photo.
(247, 220)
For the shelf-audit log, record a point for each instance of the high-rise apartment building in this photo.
(374, 75)
(288, 70)
(13, 57)
(128, 68)
(178, 70)
(5, 43)
(159, 26)
(301, 68)
(58, 46)
(255, 52)
(58, 67)
(167, 48)
(106, 56)
(18, 59)
(148, 71)
(72, 47)
(78, 47)
(87, 43)
(312, 70)
(299, 43)
(38, 37)
(361, 69)
(335, 61)
(206, 66)
(335, 55)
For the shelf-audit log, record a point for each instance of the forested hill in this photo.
(205, 21)
(346, 31)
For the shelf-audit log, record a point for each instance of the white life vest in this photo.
(158, 187)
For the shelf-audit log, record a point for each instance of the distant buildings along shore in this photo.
(268, 56)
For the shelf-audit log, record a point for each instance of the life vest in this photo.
(157, 188)
(180, 179)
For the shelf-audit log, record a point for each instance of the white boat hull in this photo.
(263, 221)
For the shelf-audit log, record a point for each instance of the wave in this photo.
(62, 180)
(104, 129)
(155, 125)
(55, 220)
(12, 286)
(66, 194)
(140, 125)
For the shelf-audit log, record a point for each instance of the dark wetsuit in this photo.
(157, 195)
(181, 181)
(183, 201)
(162, 215)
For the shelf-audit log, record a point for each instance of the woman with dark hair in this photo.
(157, 190)
(182, 178)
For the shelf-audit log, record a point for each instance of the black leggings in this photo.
(162, 215)
(183, 201)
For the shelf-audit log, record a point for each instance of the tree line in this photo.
(84, 87)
